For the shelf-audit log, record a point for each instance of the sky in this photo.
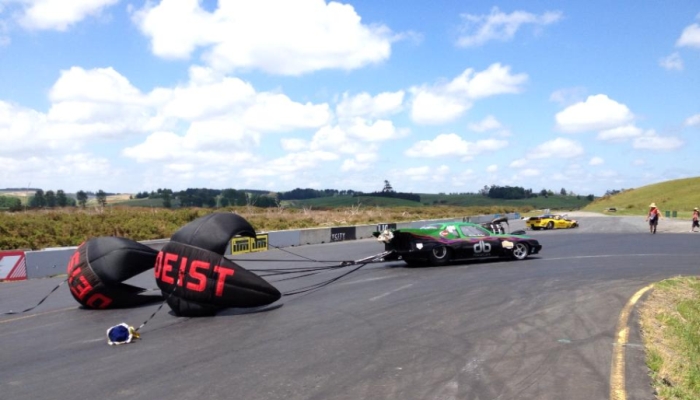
(435, 97)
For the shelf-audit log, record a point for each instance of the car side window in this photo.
(473, 231)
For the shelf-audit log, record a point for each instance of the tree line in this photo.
(517, 192)
(213, 198)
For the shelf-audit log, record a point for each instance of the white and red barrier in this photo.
(13, 266)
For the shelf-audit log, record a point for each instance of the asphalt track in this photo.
(543, 328)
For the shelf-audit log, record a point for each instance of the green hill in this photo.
(680, 195)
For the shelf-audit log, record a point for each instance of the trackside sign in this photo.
(241, 245)
(13, 266)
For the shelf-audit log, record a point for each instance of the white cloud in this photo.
(289, 164)
(494, 80)
(442, 103)
(596, 161)
(374, 132)
(86, 171)
(692, 121)
(619, 133)
(294, 145)
(492, 168)
(206, 119)
(278, 113)
(58, 15)
(334, 138)
(672, 62)
(690, 37)
(651, 141)
(489, 123)
(433, 108)
(298, 37)
(437, 174)
(451, 144)
(598, 112)
(361, 162)
(529, 172)
(104, 85)
(557, 148)
(480, 29)
(364, 105)
(519, 163)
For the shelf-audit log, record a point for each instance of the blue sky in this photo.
(448, 96)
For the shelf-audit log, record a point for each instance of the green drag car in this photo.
(440, 243)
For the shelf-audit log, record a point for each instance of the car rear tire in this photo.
(440, 255)
(550, 225)
(520, 251)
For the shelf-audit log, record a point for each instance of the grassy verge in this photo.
(670, 320)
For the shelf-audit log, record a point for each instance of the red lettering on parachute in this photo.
(192, 272)
(81, 288)
(198, 276)
(98, 300)
(223, 273)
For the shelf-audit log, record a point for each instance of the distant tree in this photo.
(61, 199)
(11, 203)
(82, 198)
(50, 198)
(562, 192)
(38, 201)
(507, 192)
(101, 198)
(167, 198)
(387, 187)
(590, 197)
(234, 197)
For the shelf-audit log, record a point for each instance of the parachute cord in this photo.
(321, 284)
(161, 304)
(39, 303)
(294, 254)
(308, 271)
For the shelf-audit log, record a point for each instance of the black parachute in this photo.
(98, 268)
(198, 280)
(214, 231)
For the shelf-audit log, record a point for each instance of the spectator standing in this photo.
(696, 224)
(653, 217)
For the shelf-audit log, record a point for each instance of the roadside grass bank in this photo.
(670, 320)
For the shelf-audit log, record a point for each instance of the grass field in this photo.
(680, 195)
(670, 320)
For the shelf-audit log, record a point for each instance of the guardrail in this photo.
(50, 262)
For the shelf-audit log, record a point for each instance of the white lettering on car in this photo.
(482, 248)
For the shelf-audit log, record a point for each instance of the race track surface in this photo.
(543, 328)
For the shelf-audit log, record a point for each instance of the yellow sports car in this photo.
(550, 221)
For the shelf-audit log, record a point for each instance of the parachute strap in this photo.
(39, 303)
(359, 263)
(180, 275)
